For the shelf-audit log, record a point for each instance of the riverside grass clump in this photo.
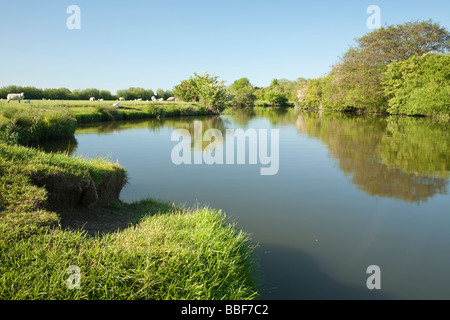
(166, 252)
(24, 125)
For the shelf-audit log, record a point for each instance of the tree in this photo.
(185, 91)
(160, 94)
(276, 98)
(105, 94)
(57, 94)
(419, 85)
(211, 92)
(85, 94)
(203, 88)
(356, 79)
(243, 93)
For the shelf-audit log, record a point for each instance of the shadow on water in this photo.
(295, 275)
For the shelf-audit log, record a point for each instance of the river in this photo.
(351, 192)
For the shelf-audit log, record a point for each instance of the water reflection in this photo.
(402, 158)
(317, 233)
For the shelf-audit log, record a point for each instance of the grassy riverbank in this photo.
(49, 120)
(57, 211)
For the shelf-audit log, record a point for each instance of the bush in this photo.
(276, 98)
(419, 85)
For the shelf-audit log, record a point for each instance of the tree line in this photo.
(84, 94)
(208, 90)
(398, 69)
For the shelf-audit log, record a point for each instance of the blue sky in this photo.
(156, 44)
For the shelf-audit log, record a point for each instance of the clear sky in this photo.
(156, 44)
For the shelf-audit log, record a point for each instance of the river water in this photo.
(351, 192)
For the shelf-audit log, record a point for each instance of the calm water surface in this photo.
(351, 191)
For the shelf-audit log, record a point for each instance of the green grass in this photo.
(49, 120)
(167, 252)
(95, 111)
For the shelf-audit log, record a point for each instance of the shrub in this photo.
(419, 85)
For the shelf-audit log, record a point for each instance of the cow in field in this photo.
(15, 96)
(121, 99)
(91, 99)
(171, 99)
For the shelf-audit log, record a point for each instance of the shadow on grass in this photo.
(110, 218)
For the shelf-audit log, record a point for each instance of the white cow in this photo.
(91, 99)
(161, 99)
(171, 99)
(100, 100)
(117, 105)
(15, 96)
(153, 98)
(140, 99)
(121, 99)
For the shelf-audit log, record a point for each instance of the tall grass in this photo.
(167, 252)
(170, 254)
(30, 124)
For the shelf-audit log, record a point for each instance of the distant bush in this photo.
(276, 98)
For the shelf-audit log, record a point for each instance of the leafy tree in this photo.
(105, 94)
(419, 85)
(211, 92)
(204, 88)
(85, 94)
(357, 79)
(310, 94)
(243, 93)
(276, 98)
(57, 94)
(274, 83)
(160, 94)
(185, 91)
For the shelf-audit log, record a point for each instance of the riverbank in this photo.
(43, 120)
(58, 211)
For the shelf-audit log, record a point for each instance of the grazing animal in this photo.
(121, 99)
(140, 99)
(161, 99)
(153, 98)
(15, 96)
(91, 99)
(171, 99)
(100, 100)
(116, 105)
